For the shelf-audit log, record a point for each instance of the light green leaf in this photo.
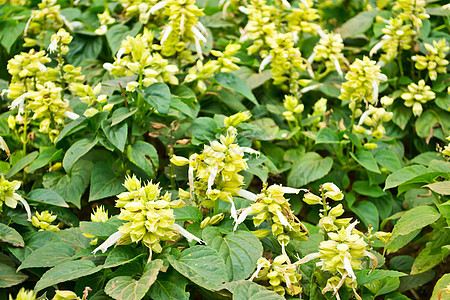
(248, 290)
(233, 82)
(202, 265)
(47, 197)
(18, 166)
(240, 250)
(441, 284)
(46, 156)
(117, 134)
(358, 24)
(383, 286)
(158, 96)
(72, 127)
(70, 186)
(309, 167)
(104, 182)
(117, 33)
(368, 213)
(76, 151)
(403, 175)
(364, 188)
(11, 236)
(101, 229)
(127, 288)
(170, 286)
(188, 213)
(442, 187)
(327, 135)
(14, 29)
(388, 159)
(9, 277)
(120, 255)
(366, 276)
(66, 271)
(48, 255)
(428, 258)
(395, 244)
(425, 122)
(366, 159)
(144, 155)
(121, 114)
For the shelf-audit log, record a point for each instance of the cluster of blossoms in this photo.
(92, 97)
(183, 27)
(135, 57)
(412, 10)
(329, 50)
(24, 294)
(398, 36)
(236, 119)
(300, 20)
(43, 221)
(373, 117)
(9, 196)
(214, 173)
(139, 8)
(105, 19)
(149, 217)
(417, 95)
(47, 17)
(99, 215)
(225, 62)
(36, 88)
(292, 107)
(362, 84)
(434, 61)
(271, 206)
(281, 274)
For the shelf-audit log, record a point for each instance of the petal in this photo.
(247, 195)
(71, 115)
(189, 236)
(265, 62)
(111, 240)
(26, 206)
(289, 190)
(157, 6)
(243, 216)
(348, 268)
(283, 219)
(212, 177)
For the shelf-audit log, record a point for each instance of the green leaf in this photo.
(388, 159)
(144, 155)
(327, 136)
(120, 255)
(233, 82)
(366, 276)
(11, 236)
(425, 158)
(401, 115)
(117, 33)
(414, 219)
(70, 186)
(403, 175)
(442, 187)
(240, 250)
(248, 290)
(366, 159)
(121, 114)
(18, 166)
(101, 229)
(88, 47)
(47, 197)
(441, 284)
(425, 123)
(14, 31)
(158, 96)
(48, 255)
(202, 265)
(66, 271)
(127, 288)
(358, 24)
(309, 167)
(188, 213)
(46, 156)
(72, 127)
(76, 151)
(203, 129)
(117, 134)
(169, 286)
(9, 277)
(368, 213)
(104, 182)
(383, 286)
(395, 244)
(364, 188)
(428, 258)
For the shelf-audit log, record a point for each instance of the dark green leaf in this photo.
(117, 134)
(368, 213)
(9, 277)
(49, 255)
(358, 24)
(46, 156)
(309, 167)
(18, 166)
(47, 197)
(76, 151)
(11, 236)
(233, 82)
(144, 155)
(119, 32)
(247, 290)
(104, 182)
(72, 127)
(403, 175)
(158, 96)
(188, 213)
(120, 255)
(366, 159)
(327, 136)
(121, 114)
(388, 159)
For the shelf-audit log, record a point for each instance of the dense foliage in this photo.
(255, 149)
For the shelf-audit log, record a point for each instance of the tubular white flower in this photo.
(283, 219)
(26, 206)
(108, 66)
(198, 34)
(286, 4)
(120, 53)
(20, 103)
(198, 48)
(376, 48)
(111, 240)
(375, 91)
(312, 56)
(350, 227)
(189, 236)
(42, 68)
(191, 179)
(71, 115)
(265, 62)
(233, 211)
(202, 28)
(338, 68)
(243, 216)
(244, 10)
(157, 6)
(212, 177)
(320, 31)
(247, 195)
(309, 88)
(289, 190)
(183, 17)
(251, 151)
(363, 117)
(348, 268)
(258, 269)
(165, 34)
(4, 147)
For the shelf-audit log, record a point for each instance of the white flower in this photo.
(243, 216)
(247, 195)
(348, 268)
(283, 219)
(71, 115)
(265, 62)
(26, 206)
(157, 6)
(189, 236)
(212, 177)
(111, 240)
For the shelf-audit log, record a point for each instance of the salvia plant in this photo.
(255, 149)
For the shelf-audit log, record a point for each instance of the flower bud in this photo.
(312, 199)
